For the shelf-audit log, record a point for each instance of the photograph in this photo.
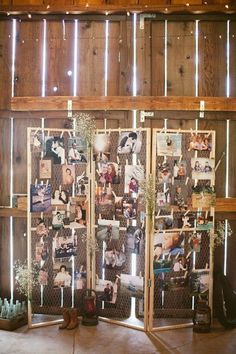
(134, 237)
(78, 212)
(129, 208)
(180, 264)
(62, 274)
(161, 265)
(186, 221)
(107, 289)
(58, 219)
(42, 252)
(43, 277)
(194, 241)
(41, 228)
(54, 148)
(60, 197)
(40, 198)
(163, 222)
(163, 199)
(179, 170)
(68, 174)
(64, 246)
(200, 142)
(202, 199)
(114, 258)
(129, 143)
(169, 144)
(36, 141)
(45, 169)
(81, 187)
(179, 199)
(104, 198)
(80, 279)
(164, 173)
(199, 281)
(109, 172)
(118, 207)
(203, 168)
(132, 285)
(108, 230)
(77, 150)
(204, 221)
(176, 283)
(133, 176)
(101, 148)
(168, 243)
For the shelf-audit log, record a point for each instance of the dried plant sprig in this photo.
(84, 125)
(221, 232)
(91, 244)
(26, 278)
(148, 191)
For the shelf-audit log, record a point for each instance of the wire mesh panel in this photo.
(121, 161)
(58, 217)
(183, 163)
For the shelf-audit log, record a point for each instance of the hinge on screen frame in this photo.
(149, 284)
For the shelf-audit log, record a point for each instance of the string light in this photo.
(187, 4)
(226, 6)
(67, 12)
(55, 88)
(29, 15)
(69, 72)
(48, 6)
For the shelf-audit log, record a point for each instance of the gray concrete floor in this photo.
(112, 339)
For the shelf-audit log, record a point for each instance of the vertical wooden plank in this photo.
(5, 64)
(91, 57)
(126, 57)
(232, 159)
(20, 153)
(113, 74)
(158, 58)
(232, 59)
(143, 59)
(19, 239)
(27, 2)
(231, 269)
(4, 257)
(212, 58)
(220, 128)
(5, 162)
(181, 58)
(28, 68)
(60, 49)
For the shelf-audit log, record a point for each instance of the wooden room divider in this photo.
(88, 226)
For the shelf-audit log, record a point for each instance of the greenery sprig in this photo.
(84, 125)
(26, 279)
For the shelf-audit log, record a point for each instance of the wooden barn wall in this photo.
(91, 81)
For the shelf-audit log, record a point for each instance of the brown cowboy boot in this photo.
(66, 319)
(73, 319)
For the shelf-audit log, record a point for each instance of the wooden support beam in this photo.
(102, 8)
(155, 103)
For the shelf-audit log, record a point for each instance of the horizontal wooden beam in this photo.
(225, 209)
(116, 8)
(154, 103)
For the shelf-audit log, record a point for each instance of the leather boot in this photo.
(66, 319)
(73, 319)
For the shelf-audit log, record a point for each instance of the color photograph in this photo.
(62, 274)
(40, 197)
(129, 208)
(199, 281)
(179, 170)
(164, 174)
(114, 258)
(134, 237)
(200, 142)
(108, 230)
(203, 168)
(101, 148)
(168, 243)
(107, 290)
(131, 285)
(64, 246)
(169, 144)
(133, 176)
(68, 174)
(109, 172)
(45, 169)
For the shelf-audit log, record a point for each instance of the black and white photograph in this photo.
(132, 285)
(54, 148)
(114, 258)
(169, 144)
(133, 176)
(203, 168)
(40, 197)
(109, 172)
(62, 274)
(134, 238)
(129, 142)
(64, 246)
(107, 290)
(58, 219)
(81, 187)
(77, 150)
(129, 208)
(199, 281)
(101, 148)
(36, 141)
(60, 197)
(108, 230)
(200, 142)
